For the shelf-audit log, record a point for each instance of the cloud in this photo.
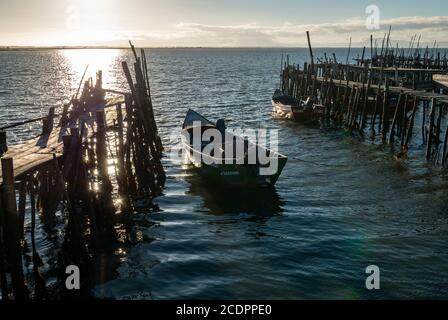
(289, 34)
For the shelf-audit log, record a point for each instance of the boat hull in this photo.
(234, 175)
(231, 171)
(297, 114)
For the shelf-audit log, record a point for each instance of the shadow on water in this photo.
(259, 203)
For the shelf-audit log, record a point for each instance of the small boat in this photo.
(225, 165)
(288, 107)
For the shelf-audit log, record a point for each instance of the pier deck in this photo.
(37, 151)
(421, 94)
(380, 97)
(102, 158)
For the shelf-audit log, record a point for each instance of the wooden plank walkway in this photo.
(421, 94)
(38, 151)
(441, 81)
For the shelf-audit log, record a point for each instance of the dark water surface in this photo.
(349, 205)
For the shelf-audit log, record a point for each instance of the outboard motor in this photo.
(308, 104)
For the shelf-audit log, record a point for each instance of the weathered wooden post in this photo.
(445, 148)
(40, 290)
(313, 74)
(425, 104)
(22, 207)
(64, 118)
(366, 100)
(11, 229)
(3, 279)
(50, 119)
(101, 141)
(439, 124)
(385, 113)
(121, 178)
(48, 122)
(431, 129)
(411, 125)
(66, 141)
(404, 121)
(105, 193)
(3, 142)
(395, 119)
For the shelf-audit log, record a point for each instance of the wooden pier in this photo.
(101, 158)
(380, 96)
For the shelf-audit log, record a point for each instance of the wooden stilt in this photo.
(12, 235)
(431, 129)
(3, 278)
(22, 206)
(445, 148)
(395, 119)
(3, 143)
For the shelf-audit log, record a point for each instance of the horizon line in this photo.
(334, 46)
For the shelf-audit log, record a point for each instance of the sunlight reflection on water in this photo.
(96, 59)
(312, 237)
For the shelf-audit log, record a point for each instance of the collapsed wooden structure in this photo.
(381, 95)
(102, 158)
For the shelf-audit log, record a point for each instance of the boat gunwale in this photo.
(222, 160)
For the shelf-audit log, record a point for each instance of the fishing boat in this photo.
(225, 165)
(288, 107)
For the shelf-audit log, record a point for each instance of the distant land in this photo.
(442, 46)
(25, 48)
(28, 48)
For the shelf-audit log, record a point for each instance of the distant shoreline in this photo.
(6, 48)
(26, 48)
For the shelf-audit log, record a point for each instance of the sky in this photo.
(219, 23)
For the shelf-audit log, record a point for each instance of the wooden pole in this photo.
(404, 122)
(366, 99)
(445, 146)
(64, 118)
(311, 50)
(395, 119)
(105, 221)
(122, 181)
(40, 290)
(22, 207)
(13, 246)
(281, 75)
(48, 122)
(3, 278)
(424, 123)
(431, 129)
(50, 119)
(385, 114)
(411, 124)
(3, 143)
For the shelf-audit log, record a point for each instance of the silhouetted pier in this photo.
(102, 157)
(380, 95)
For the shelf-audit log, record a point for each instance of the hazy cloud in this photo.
(289, 34)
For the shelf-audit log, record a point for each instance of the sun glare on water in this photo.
(95, 59)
